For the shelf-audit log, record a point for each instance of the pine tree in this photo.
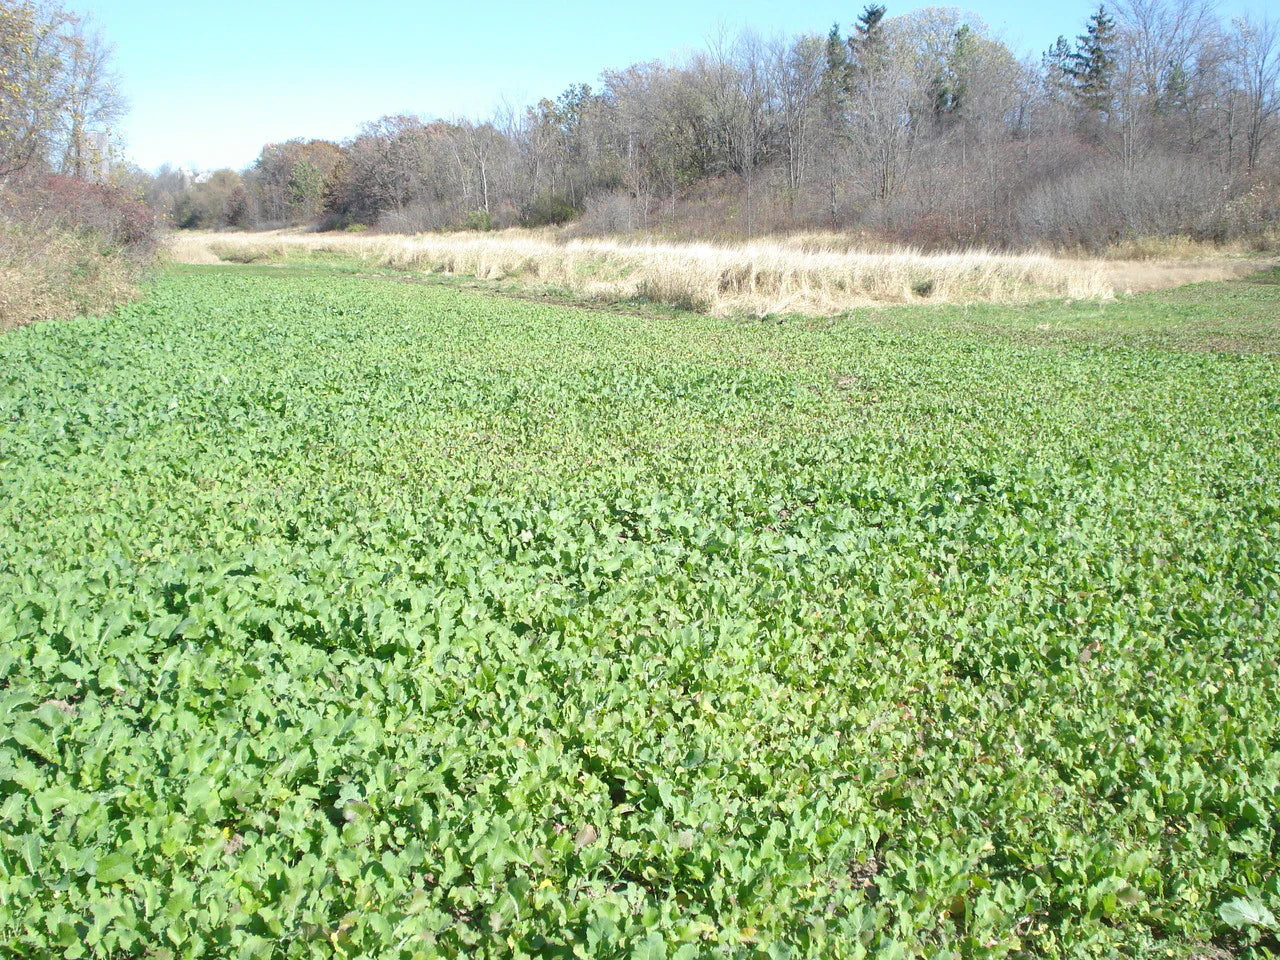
(869, 21)
(950, 85)
(839, 72)
(1091, 67)
(1176, 90)
(867, 43)
(1054, 63)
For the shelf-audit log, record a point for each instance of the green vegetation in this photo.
(346, 617)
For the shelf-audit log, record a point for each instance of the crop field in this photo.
(346, 617)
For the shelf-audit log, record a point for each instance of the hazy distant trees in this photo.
(923, 127)
(290, 182)
(210, 201)
(408, 174)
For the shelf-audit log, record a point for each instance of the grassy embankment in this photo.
(54, 274)
(69, 247)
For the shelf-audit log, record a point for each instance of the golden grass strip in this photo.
(760, 277)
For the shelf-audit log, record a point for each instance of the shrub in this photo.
(65, 203)
(610, 213)
(548, 209)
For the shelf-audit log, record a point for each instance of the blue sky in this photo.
(211, 83)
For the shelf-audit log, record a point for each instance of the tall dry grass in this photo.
(811, 274)
(1183, 248)
(51, 274)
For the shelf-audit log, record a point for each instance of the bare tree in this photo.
(795, 79)
(33, 53)
(1165, 53)
(93, 102)
(921, 127)
(1254, 47)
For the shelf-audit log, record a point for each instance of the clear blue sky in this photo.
(211, 83)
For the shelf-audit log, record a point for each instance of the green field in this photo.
(342, 617)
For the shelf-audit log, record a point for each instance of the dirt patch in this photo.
(1234, 345)
(1138, 276)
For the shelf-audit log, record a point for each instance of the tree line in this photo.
(1159, 118)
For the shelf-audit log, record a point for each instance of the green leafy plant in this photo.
(1241, 914)
(345, 617)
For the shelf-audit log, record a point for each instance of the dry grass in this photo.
(813, 274)
(1161, 248)
(1184, 248)
(50, 274)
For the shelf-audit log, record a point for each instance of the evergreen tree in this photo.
(1177, 90)
(839, 73)
(868, 25)
(1091, 66)
(867, 43)
(949, 86)
(1054, 65)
